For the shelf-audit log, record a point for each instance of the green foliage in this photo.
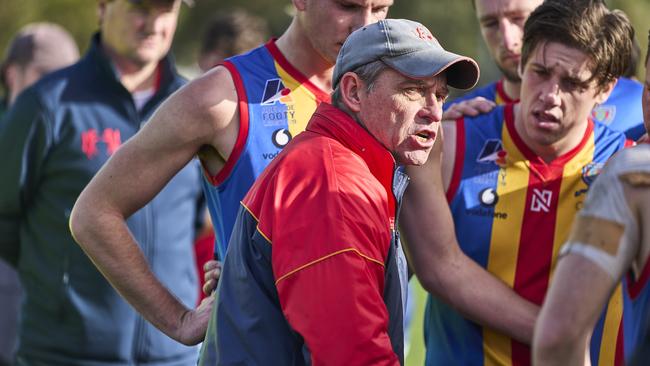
(452, 21)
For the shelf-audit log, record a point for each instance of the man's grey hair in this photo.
(368, 73)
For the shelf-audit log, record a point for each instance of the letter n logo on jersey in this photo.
(541, 201)
(275, 91)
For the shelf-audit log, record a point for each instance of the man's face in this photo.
(646, 97)
(557, 95)
(404, 114)
(140, 32)
(327, 23)
(502, 27)
(20, 78)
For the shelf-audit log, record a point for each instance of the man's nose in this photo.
(363, 17)
(510, 36)
(432, 109)
(551, 93)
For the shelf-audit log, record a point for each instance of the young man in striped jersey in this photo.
(516, 177)
(608, 244)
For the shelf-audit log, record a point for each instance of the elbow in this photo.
(80, 221)
(554, 338)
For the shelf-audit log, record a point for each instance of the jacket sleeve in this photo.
(330, 280)
(24, 141)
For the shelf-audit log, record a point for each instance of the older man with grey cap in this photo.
(314, 271)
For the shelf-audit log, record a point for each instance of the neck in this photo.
(133, 75)
(300, 52)
(553, 150)
(512, 88)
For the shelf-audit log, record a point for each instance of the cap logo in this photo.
(423, 34)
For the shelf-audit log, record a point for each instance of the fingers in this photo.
(469, 108)
(212, 272)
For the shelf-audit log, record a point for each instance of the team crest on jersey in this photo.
(591, 171)
(492, 151)
(604, 114)
(274, 92)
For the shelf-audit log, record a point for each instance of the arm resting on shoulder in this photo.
(444, 270)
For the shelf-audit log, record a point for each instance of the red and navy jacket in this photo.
(314, 272)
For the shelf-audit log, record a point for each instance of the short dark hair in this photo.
(606, 36)
(368, 73)
(234, 32)
(633, 65)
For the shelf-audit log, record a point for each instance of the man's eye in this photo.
(380, 10)
(541, 72)
(489, 24)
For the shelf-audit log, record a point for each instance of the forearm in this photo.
(573, 303)
(550, 350)
(112, 248)
(480, 296)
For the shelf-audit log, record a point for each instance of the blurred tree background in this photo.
(452, 22)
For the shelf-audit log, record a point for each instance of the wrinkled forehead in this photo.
(494, 8)
(438, 82)
(563, 58)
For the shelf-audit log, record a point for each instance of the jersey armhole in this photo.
(242, 135)
(634, 288)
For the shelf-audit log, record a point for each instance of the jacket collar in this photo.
(332, 122)
(97, 58)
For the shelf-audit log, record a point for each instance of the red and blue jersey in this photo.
(275, 103)
(512, 212)
(622, 110)
(636, 316)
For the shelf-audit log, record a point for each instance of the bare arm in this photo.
(197, 117)
(576, 298)
(441, 266)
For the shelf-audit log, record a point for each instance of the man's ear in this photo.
(300, 5)
(351, 88)
(10, 76)
(603, 95)
(101, 10)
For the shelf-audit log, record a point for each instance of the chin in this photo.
(413, 159)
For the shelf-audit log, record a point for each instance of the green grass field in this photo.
(415, 354)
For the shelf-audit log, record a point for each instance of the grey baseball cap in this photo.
(409, 48)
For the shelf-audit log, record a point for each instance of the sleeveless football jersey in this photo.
(622, 110)
(512, 212)
(275, 104)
